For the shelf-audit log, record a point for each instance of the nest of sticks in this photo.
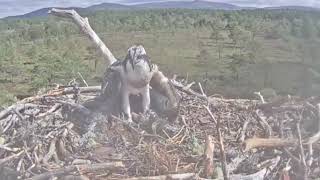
(212, 138)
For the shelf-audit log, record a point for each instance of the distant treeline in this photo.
(277, 23)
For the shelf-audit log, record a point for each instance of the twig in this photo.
(210, 113)
(303, 158)
(260, 96)
(60, 92)
(310, 143)
(222, 152)
(52, 151)
(8, 148)
(51, 110)
(267, 128)
(141, 133)
(9, 124)
(176, 135)
(19, 114)
(18, 107)
(185, 176)
(268, 143)
(20, 163)
(310, 155)
(10, 158)
(188, 86)
(85, 168)
(209, 166)
(243, 131)
(201, 89)
(84, 81)
(314, 138)
(187, 90)
(291, 155)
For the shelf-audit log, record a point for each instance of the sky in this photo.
(18, 7)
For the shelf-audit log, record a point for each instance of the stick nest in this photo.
(53, 135)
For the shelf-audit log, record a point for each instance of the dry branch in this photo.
(209, 166)
(187, 176)
(221, 145)
(244, 129)
(268, 143)
(10, 158)
(16, 107)
(187, 89)
(264, 124)
(63, 91)
(302, 155)
(85, 27)
(82, 169)
(316, 136)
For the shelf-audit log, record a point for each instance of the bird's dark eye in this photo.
(143, 56)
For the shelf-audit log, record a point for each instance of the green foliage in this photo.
(195, 146)
(6, 98)
(38, 52)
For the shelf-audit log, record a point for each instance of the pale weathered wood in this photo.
(85, 27)
(209, 166)
(186, 176)
(85, 168)
(60, 92)
(18, 107)
(268, 143)
(220, 138)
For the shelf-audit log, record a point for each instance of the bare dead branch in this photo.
(52, 151)
(260, 96)
(303, 158)
(62, 91)
(85, 27)
(209, 166)
(181, 87)
(243, 131)
(84, 81)
(18, 107)
(264, 124)
(187, 176)
(268, 143)
(10, 158)
(222, 152)
(85, 168)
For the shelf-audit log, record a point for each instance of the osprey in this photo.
(135, 72)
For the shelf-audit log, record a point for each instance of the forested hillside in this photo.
(234, 53)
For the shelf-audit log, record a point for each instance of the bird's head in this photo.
(137, 54)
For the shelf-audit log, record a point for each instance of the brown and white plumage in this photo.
(136, 73)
